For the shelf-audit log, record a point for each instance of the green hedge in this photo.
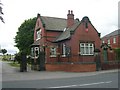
(117, 51)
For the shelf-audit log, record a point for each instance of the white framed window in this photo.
(114, 40)
(86, 48)
(38, 36)
(63, 50)
(36, 51)
(53, 52)
(108, 41)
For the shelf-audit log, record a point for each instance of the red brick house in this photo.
(113, 41)
(66, 40)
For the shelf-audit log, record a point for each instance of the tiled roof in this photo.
(66, 34)
(114, 33)
(54, 24)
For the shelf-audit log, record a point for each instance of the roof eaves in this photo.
(43, 23)
(54, 30)
(56, 41)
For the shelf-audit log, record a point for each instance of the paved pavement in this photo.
(12, 74)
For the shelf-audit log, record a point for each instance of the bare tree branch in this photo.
(2, 19)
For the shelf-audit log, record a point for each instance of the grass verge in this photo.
(14, 64)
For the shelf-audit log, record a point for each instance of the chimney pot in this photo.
(70, 18)
(68, 11)
(38, 15)
(71, 11)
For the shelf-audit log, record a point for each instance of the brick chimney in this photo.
(70, 18)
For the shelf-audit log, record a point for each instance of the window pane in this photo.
(52, 51)
(39, 34)
(86, 45)
(82, 45)
(91, 50)
(82, 50)
(87, 50)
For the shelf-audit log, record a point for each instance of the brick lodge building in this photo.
(62, 44)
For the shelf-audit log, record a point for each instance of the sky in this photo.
(103, 14)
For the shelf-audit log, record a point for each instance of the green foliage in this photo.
(14, 64)
(18, 57)
(117, 51)
(25, 35)
(4, 51)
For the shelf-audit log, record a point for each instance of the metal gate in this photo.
(41, 61)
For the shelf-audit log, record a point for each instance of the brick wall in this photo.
(71, 67)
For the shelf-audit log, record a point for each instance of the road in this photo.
(108, 80)
(59, 80)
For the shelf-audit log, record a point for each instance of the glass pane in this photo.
(91, 45)
(86, 45)
(87, 50)
(82, 50)
(91, 50)
(82, 45)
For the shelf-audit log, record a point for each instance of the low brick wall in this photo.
(110, 65)
(71, 67)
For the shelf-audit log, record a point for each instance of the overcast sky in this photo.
(102, 13)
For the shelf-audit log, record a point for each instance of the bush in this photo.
(18, 57)
(117, 51)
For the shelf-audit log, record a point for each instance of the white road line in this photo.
(81, 85)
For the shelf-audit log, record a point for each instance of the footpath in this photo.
(10, 73)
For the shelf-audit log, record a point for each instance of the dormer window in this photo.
(38, 36)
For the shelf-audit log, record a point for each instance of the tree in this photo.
(1, 13)
(4, 51)
(25, 36)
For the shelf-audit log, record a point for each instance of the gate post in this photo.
(42, 61)
(23, 63)
(97, 59)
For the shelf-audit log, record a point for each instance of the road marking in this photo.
(81, 85)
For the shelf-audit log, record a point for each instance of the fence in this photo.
(110, 65)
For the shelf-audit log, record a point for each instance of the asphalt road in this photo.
(109, 80)
(99, 80)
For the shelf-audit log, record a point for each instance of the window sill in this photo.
(53, 56)
(37, 39)
(86, 54)
(63, 55)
